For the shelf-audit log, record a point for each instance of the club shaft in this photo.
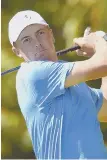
(59, 53)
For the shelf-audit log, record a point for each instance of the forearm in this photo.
(97, 67)
(83, 71)
(93, 68)
(99, 64)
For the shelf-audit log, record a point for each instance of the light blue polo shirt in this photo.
(62, 122)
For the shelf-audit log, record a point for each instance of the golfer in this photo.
(60, 110)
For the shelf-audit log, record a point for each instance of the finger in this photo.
(79, 41)
(79, 52)
(100, 33)
(85, 54)
(87, 31)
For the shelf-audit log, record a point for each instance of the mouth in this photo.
(43, 50)
(40, 51)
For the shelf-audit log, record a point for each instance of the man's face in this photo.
(36, 43)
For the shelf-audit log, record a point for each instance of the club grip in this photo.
(64, 51)
(59, 53)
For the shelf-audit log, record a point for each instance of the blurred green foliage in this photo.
(68, 19)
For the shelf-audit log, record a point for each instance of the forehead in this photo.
(30, 29)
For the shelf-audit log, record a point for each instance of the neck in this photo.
(53, 59)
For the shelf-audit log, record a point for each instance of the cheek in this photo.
(27, 48)
(48, 43)
(51, 41)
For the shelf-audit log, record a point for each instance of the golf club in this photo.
(59, 53)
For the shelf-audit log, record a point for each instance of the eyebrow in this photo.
(39, 30)
(29, 36)
(24, 37)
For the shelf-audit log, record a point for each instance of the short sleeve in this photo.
(97, 97)
(44, 80)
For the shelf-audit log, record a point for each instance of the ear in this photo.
(15, 50)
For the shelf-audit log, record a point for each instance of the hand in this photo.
(90, 43)
(80, 52)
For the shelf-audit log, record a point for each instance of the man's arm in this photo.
(93, 68)
(103, 111)
(86, 70)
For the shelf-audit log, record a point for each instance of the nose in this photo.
(36, 41)
(38, 46)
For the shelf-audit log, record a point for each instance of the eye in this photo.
(26, 40)
(41, 32)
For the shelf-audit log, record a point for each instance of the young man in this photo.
(60, 110)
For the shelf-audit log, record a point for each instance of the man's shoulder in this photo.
(35, 65)
(29, 68)
(41, 69)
